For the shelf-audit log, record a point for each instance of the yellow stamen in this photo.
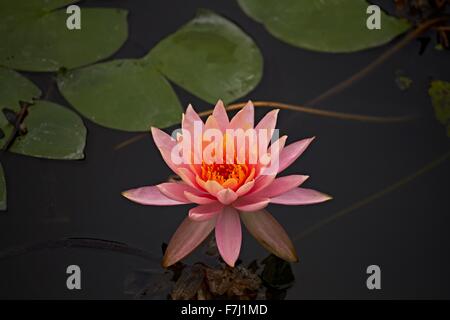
(222, 173)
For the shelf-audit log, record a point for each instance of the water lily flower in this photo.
(226, 193)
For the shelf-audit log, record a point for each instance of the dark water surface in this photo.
(406, 232)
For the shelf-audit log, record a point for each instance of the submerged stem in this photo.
(291, 107)
(317, 112)
(423, 27)
(17, 125)
(375, 196)
(91, 243)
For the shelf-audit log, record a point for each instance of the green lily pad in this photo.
(53, 132)
(8, 7)
(13, 88)
(127, 95)
(35, 37)
(440, 97)
(323, 25)
(2, 189)
(211, 58)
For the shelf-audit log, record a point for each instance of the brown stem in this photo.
(442, 28)
(375, 63)
(297, 108)
(92, 243)
(375, 196)
(444, 38)
(317, 112)
(19, 119)
(129, 141)
(357, 76)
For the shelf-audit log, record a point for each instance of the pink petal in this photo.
(200, 182)
(175, 190)
(268, 123)
(150, 196)
(229, 235)
(268, 173)
(244, 119)
(189, 118)
(291, 152)
(250, 203)
(205, 212)
(226, 196)
(165, 144)
(299, 196)
(261, 182)
(221, 115)
(211, 123)
(213, 187)
(251, 176)
(188, 177)
(187, 237)
(277, 146)
(199, 199)
(270, 234)
(282, 185)
(272, 167)
(245, 188)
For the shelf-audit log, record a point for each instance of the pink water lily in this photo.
(226, 193)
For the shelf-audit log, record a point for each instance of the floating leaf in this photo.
(122, 94)
(13, 88)
(323, 25)
(402, 81)
(440, 97)
(35, 36)
(9, 8)
(53, 132)
(211, 58)
(2, 189)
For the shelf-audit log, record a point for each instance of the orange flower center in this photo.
(225, 173)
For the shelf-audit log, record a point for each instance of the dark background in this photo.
(405, 232)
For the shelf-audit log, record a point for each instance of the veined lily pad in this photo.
(323, 25)
(211, 58)
(13, 88)
(35, 37)
(53, 132)
(127, 95)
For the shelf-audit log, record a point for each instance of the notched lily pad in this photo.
(35, 37)
(211, 58)
(440, 97)
(13, 88)
(323, 25)
(127, 95)
(53, 132)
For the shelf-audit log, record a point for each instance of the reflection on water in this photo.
(212, 279)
